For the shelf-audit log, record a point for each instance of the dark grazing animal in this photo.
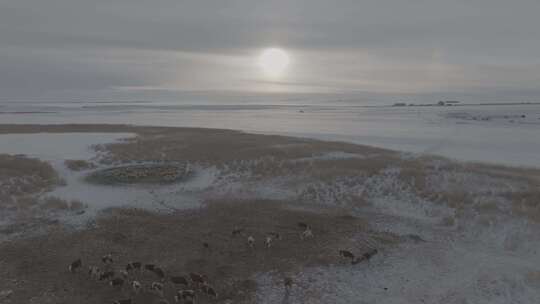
(126, 301)
(275, 235)
(159, 272)
(365, 257)
(149, 267)
(370, 253)
(94, 272)
(237, 231)
(136, 286)
(133, 266)
(303, 225)
(188, 295)
(107, 259)
(116, 282)
(287, 282)
(106, 275)
(346, 254)
(75, 265)
(179, 280)
(210, 291)
(157, 287)
(197, 278)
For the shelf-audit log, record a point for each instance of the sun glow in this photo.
(274, 62)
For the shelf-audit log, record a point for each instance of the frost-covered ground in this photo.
(467, 235)
(56, 148)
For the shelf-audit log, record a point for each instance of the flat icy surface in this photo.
(494, 133)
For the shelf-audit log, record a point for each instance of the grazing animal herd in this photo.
(193, 285)
(198, 282)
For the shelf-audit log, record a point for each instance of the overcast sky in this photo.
(145, 49)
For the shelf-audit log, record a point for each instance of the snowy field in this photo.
(493, 134)
(462, 235)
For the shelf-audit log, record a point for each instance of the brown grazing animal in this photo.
(75, 265)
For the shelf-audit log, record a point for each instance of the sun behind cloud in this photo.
(274, 62)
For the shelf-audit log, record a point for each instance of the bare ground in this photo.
(36, 269)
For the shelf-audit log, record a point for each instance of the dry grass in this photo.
(79, 164)
(20, 175)
(36, 269)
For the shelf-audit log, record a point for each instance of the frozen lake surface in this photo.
(500, 134)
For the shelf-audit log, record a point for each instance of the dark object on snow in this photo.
(370, 253)
(365, 257)
(75, 265)
(415, 238)
(287, 282)
(346, 254)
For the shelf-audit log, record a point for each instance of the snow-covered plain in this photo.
(490, 133)
(481, 257)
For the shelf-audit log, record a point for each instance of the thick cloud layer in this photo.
(485, 49)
